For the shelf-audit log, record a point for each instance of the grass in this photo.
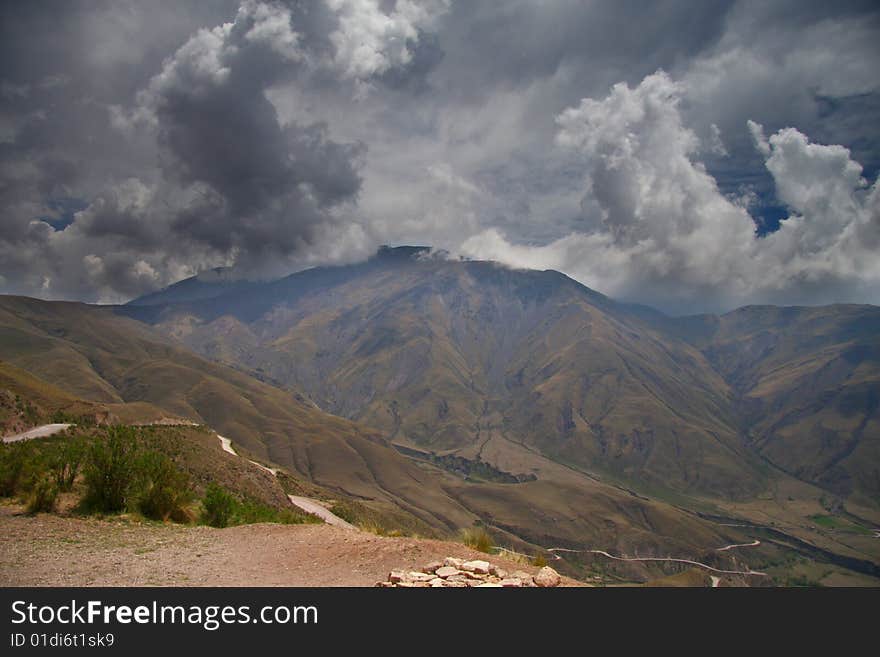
(478, 539)
(834, 522)
(223, 509)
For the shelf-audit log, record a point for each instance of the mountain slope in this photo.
(443, 354)
(92, 353)
(807, 383)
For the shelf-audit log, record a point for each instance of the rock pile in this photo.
(458, 573)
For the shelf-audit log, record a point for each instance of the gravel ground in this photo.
(51, 550)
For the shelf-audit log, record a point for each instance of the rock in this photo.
(476, 566)
(547, 577)
(511, 583)
(437, 582)
(396, 576)
(460, 578)
(452, 561)
(500, 573)
(454, 585)
(524, 577)
(447, 571)
(473, 583)
(488, 585)
(433, 566)
(416, 576)
(385, 585)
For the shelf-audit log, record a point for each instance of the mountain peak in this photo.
(397, 253)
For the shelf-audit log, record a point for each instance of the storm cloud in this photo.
(694, 156)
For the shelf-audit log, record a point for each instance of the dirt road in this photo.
(37, 432)
(49, 550)
(312, 506)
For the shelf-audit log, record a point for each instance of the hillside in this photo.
(94, 354)
(807, 387)
(472, 358)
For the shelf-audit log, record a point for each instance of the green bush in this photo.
(478, 539)
(13, 467)
(110, 470)
(42, 496)
(346, 512)
(164, 488)
(246, 512)
(222, 509)
(65, 461)
(219, 505)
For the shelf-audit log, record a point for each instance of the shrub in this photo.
(164, 489)
(42, 497)
(13, 459)
(219, 505)
(478, 539)
(346, 512)
(539, 561)
(65, 462)
(110, 470)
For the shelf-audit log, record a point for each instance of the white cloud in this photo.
(664, 234)
(271, 27)
(369, 41)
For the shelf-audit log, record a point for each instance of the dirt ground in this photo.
(50, 550)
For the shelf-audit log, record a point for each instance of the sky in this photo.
(692, 156)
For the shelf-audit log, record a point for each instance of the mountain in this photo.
(478, 360)
(442, 394)
(807, 387)
(472, 359)
(206, 285)
(93, 354)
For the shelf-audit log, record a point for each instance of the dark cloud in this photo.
(146, 141)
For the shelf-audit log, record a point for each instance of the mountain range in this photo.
(449, 392)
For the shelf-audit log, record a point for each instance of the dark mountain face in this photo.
(807, 387)
(481, 361)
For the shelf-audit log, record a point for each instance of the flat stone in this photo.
(452, 561)
(396, 576)
(511, 583)
(498, 572)
(488, 585)
(433, 566)
(547, 577)
(417, 576)
(521, 574)
(447, 571)
(476, 566)
(437, 582)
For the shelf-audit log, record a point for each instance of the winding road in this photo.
(226, 445)
(307, 504)
(314, 507)
(754, 543)
(37, 432)
(673, 559)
